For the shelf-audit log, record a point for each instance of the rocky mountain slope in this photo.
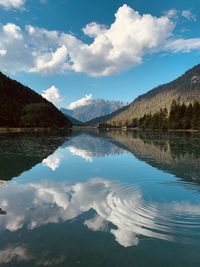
(94, 109)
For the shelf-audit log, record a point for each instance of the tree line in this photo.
(180, 116)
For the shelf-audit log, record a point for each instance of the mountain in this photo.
(22, 107)
(101, 119)
(185, 89)
(93, 109)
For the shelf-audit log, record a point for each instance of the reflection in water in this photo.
(36, 205)
(18, 253)
(176, 153)
(83, 153)
(51, 222)
(88, 145)
(53, 161)
(21, 152)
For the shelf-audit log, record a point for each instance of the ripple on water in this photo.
(172, 221)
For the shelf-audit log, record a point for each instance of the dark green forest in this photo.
(180, 116)
(22, 107)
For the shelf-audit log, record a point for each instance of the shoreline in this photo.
(135, 129)
(30, 130)
(46, 130)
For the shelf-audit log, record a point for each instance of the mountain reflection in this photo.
(90, 144)
(123, 207)
(176, 153)
(20, 152)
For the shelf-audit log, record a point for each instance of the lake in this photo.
(109, 198)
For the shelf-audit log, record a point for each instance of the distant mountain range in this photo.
(185, 89)
(22, 107)
(93, 109)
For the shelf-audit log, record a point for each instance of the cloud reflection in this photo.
(34, 205)
(17, 253)
(83, 153)
(53, 161)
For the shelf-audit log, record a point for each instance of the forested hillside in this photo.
(22, 107)
(179, 116)
(184, 90)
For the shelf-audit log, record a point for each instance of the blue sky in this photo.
(52, 44)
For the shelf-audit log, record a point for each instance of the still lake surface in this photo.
(114, 198)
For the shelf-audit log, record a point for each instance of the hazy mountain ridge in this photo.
(185, 89)
(94, 109)
(101, 119)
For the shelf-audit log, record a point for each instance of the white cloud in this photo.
(93, 29)
(188, 15)
(13, 31)
(171, 13)
(9, 4)
(50, 62)
(52, 94)
(122, 45)
(86, 100)
(175, 14)
(183, 45)
(51, 51)
(113, 48)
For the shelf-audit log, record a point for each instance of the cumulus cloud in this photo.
(9, 4)
(113, 48)
(84, 101)
(109, 54)
(52, 94)
(12, 31)
(93, 29)
(50, 62)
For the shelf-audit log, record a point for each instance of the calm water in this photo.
(100, 199)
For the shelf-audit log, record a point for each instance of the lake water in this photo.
(114, 198)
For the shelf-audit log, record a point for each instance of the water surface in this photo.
(113, 198)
